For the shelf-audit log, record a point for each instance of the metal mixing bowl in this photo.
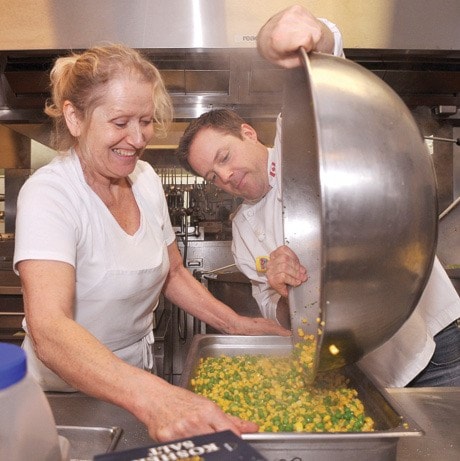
(360, 206)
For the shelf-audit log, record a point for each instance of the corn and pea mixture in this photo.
(271, 392)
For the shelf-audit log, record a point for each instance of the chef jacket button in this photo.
(250, 213)
(261, 237)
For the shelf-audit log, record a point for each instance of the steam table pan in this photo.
(379, 445)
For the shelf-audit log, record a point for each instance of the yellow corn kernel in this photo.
(333, 349)
(298, 426)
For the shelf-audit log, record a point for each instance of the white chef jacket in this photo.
(118, 276)
(258, 230)
(400, 359)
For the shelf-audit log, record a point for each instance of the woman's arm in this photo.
(185, 291)
(75, 355)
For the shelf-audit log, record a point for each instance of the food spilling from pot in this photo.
(359, 209)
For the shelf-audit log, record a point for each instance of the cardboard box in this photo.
(218, 446)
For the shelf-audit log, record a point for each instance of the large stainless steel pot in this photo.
(360, 206)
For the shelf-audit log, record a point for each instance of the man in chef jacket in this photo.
(222, 148)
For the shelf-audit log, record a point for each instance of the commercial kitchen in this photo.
(205, 51)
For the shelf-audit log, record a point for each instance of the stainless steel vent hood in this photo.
(205, 49)
(198, 79)
(376, 24)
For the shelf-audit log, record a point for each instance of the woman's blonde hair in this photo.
(82, 79)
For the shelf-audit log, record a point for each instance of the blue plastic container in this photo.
(27, 427)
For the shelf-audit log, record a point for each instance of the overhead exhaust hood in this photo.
(371, 24)
(205, 49)
(198, 79)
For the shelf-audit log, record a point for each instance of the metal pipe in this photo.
(433, 138)
(450, 208)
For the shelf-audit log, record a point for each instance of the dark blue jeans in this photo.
(444, 367)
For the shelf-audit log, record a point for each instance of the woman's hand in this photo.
(176, 413)
(281, 37)
(284, 269)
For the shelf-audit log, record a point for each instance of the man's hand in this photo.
(284, 269)
(281, 37)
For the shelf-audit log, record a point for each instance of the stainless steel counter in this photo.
(435, 410)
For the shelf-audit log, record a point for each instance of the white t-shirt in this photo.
(118, 276)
